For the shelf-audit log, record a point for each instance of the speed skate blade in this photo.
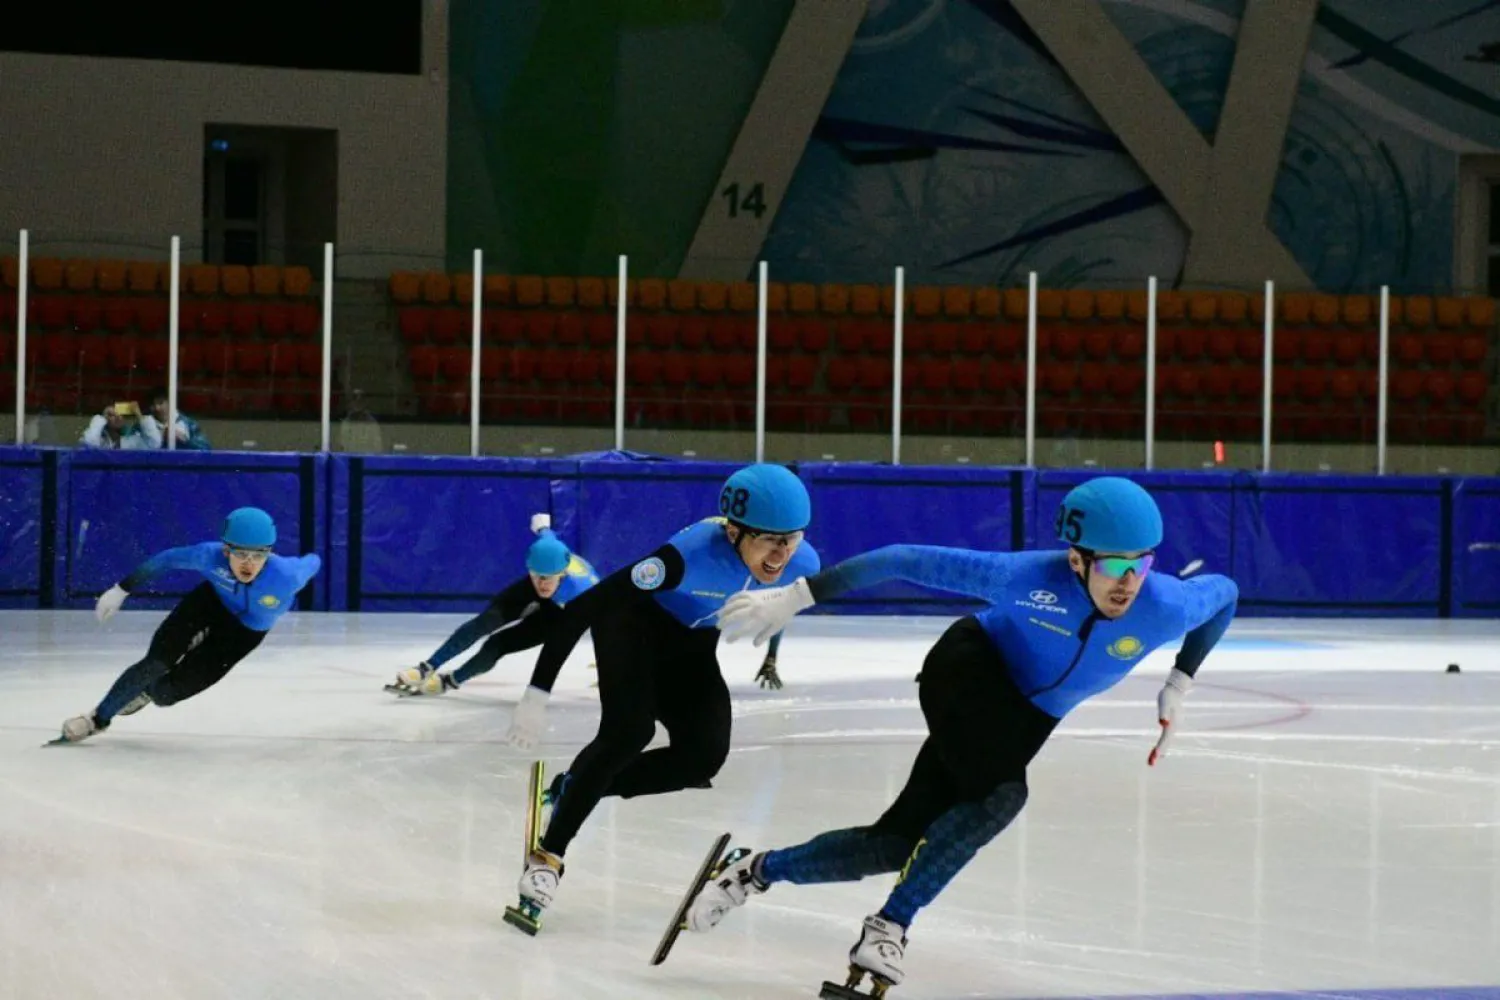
(534, 790)
(834, 991)
(517, 918)
(848, 990)
(696, 886)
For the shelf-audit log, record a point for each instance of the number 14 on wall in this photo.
(749, 200)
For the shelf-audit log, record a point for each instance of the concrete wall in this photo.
(104, 157)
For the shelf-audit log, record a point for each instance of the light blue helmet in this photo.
(766, 498)
(249, 528)
(548, 555)
(1109, 514)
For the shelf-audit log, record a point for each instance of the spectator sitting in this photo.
(189, 434)
(119, 427)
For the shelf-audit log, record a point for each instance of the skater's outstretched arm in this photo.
(984, 575)
(201, 558)
(660, 571)
(1208, 606)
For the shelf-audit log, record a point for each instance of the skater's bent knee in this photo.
(628, 739)
(1005, 801)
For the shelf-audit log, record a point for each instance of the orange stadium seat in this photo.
(437, 288)
(235, 280)
(296, 281)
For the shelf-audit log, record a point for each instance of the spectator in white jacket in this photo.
(119, 426)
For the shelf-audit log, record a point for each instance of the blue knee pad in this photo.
(949, 844)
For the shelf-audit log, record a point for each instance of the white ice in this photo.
(1329, 820)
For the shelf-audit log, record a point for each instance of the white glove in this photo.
(529, 721)
(109, 602)
(540, 522)
(763, 613)
(1168, 710)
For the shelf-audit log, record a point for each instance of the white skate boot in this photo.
(436, 683)
(881, 946)
(80, 728)
(409, 681)
(539, 881)
(728, 889)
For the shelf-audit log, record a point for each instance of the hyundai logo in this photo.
(1044, 597)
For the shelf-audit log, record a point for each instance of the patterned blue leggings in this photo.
(967, 784)
(927, 861)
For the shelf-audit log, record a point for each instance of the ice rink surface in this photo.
(1328, 823)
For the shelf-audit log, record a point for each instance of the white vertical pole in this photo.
(1151, 372)
(620, 360)
(1385, 378)
(1031, 370)
(1268, 372)
(21, 280)
(897, 367)
(478, 324)
(760, 366)
(327, 345)
(174, 302)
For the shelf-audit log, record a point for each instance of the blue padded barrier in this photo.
(858, 507)
(434, 534)
(1342, 545)
(28, 508)
(627, 509)
(444, 534)
(1475, 542)
(120, 507)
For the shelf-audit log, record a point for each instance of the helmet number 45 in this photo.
(1069, 525)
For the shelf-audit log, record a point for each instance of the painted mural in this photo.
(953, 143)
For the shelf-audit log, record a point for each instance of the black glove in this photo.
(767, 676)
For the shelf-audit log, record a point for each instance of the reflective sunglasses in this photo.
(1115, 567)
(780, 539)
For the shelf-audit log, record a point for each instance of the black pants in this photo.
(982, 731)
(192, 650)
(967, 784)
(651, 669)
(528, 633)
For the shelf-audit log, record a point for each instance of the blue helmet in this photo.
(766, 498)
(1109, 514)
(249, 528)
(548, 555)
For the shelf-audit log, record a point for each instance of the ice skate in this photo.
(135, 704)
(78, 729)
(436, 683)
(730, 886)
(410, 680)
(527, 913)
(715, 863)
(878, 954)
(538, 884)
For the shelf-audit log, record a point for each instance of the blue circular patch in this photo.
(648, 574)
